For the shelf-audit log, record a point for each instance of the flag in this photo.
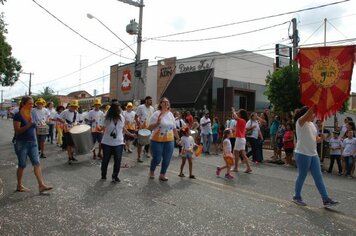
(325, 77)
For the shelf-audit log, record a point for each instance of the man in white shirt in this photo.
(143, 115)
(41, 116)
(70, 117)
(52, 114)
(205, 124)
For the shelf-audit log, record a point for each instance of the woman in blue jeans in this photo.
(307, 157)
(163, 127)
(26, 145)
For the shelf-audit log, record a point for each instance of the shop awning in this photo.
(185, 88)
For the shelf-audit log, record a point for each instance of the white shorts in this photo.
(240, 144)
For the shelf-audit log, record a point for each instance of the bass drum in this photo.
(82, 139)
(143, 137)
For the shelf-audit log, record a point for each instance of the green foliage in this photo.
(10, 68)
(48, 95)
(283, 90)
(345, 106)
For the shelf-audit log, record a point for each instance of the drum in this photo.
(82, 138)
(42, 130)
(143, 137)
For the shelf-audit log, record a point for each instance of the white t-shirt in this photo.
(96, 119)
(187, 143)
(255, 131)
(144, 114)
(336, 144)
(68, 116)
(164, 131)
(180, 123)
(227, 146)
(52, 115)
(306, 139)
(130, 119)
(207, 128)
(349, 145)
(40, 116)
(118, 129)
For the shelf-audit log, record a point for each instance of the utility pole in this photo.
(295, 38)
(2, 100)
(29, 83)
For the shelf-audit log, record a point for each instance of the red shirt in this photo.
(190, 120)
(240, 130)
(288, 139)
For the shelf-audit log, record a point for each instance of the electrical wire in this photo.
(76, 32)
(221, 37)
(250, 20)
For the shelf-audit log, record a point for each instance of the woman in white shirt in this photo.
(163, 127)
(307, 157)
(113, 140)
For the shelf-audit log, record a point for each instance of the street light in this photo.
(90, 16)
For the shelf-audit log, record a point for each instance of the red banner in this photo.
(325, 77)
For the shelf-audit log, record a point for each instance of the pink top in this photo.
(288, 139)
(240, 131)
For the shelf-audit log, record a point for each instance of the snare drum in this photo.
(143, 137)
(42, 130)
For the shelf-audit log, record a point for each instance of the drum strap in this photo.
(74, 117)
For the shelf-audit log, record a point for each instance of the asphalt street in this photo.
(81, 204)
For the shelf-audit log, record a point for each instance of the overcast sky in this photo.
(64, 61)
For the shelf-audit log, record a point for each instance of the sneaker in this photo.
(70, 161)
(115, 179)
(299, 201)
(218, 170)
(229, 176)
(329, 202)
(73, 159)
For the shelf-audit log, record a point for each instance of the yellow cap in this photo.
(40, 101)
(97, 101)
(74, 103)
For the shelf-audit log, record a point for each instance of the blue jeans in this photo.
(116, 151)
(254, 148)
(206, 142)
(348, 164)
(24, 149)
(50, 132)
(161, 151)
(304, 164)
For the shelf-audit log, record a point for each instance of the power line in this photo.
(221, 37)
(80, 35)
(250, 20)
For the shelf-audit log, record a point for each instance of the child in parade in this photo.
(187, 143)
(288, 143)
(349, 150)
(227, 154)
(335, 145)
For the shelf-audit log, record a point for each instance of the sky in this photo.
(64, 61)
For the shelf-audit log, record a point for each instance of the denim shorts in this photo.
(24, 149)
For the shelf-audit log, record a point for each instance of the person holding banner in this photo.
(306, 156)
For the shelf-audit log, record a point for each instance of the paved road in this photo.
(81, 204)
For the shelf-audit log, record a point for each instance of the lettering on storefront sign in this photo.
(203, 65)
(167, 71)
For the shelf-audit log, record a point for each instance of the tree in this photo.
(10, 68)
(283, 90)
(2, 1)
(48, 95)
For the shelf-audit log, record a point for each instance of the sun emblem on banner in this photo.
(325, 71)
(126, 81)
(325, 77)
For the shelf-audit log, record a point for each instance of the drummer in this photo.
(143, 115)
(70, 117)
(96, 119)
(41, 116)
(130, 125)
